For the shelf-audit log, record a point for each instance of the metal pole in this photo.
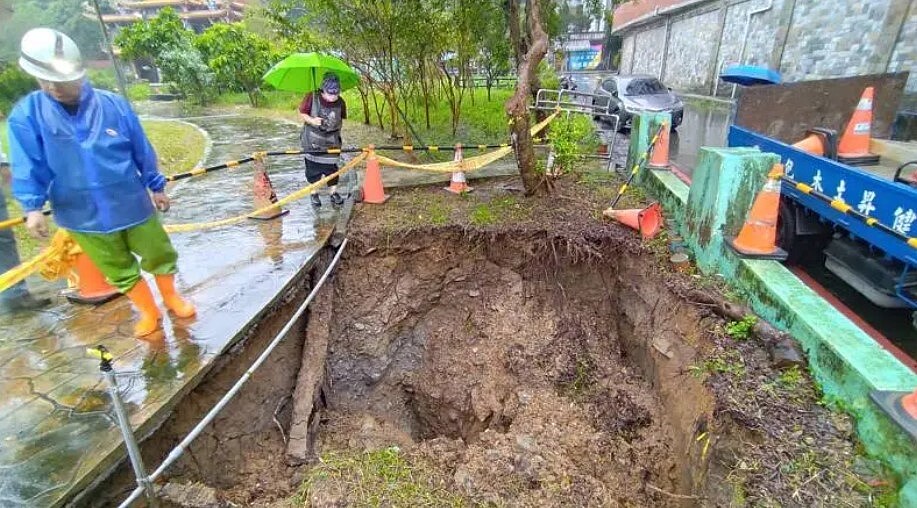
(111, 52)
(133, 451)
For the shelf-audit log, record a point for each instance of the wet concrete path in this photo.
(57, 429)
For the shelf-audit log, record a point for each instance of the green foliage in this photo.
(718, 365)
(64, 15)
(741, 330)
(103, 79)
(153, 38)
(139, 91)
(14, 83)
(571, 137)
(547, 76)
(237, 57)
(374, 478)
(185, 67)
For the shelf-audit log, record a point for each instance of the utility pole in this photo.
(111, 52)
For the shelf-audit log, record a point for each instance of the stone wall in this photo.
(803, 39)
(627, 54)
(692, 50)
(648, 45)
(904, 57)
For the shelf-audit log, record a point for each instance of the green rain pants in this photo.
(113, 253)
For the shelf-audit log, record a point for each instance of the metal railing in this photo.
(575, 102)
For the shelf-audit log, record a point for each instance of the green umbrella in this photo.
(303, 72)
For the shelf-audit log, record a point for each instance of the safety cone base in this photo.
(777, 255)
(890, 402)
(74, 296)
(376, 200)
(459, 190)
(869, 159)
(267, 217)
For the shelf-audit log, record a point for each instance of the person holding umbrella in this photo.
(322, 78)
(323, 112)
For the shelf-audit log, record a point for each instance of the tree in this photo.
(237, 57)
(517, 105)
(152, 39)
(64, 15)
(495, 48)
(184, 66)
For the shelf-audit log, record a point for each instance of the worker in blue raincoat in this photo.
(84, 150)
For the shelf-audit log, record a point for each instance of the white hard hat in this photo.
(50, 55)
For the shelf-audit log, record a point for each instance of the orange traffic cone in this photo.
(647, 221)
(818, 141)
(263, 193)
(854, 146)
(88, 283)
(901, 407)
(758, 237)
(373, 191)
(458, 184)
(660, 156)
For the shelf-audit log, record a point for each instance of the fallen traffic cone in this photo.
(373, 191)
(88, 283)
(901, 407)
(854, 146)
(660, 156)
(263, 193)
(647, 221)
(758, 237)
(458, 184)
(818, 141)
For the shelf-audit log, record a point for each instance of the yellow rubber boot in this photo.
(142, 298)
(179, 306)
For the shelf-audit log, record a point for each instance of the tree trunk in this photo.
(426, 91)
(367, 119)
(516, 106)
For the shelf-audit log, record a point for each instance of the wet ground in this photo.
(57, 428)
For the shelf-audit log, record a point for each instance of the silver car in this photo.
(627, 95)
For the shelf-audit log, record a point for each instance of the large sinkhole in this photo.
(515, 367)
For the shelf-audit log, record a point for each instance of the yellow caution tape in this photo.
(99, 355)
(482, 147)
(232, 164)
(468, 164)
(912, 242)
(305, 191)
(52, 263)
(408, 148)
(334, 150)
(803, 188)
(197, 171)
(292, 152)
(433, 148)
(871, 222)
(12, 222)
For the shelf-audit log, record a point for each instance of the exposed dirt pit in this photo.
(513, 368)
(518, 379)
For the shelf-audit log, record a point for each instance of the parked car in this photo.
(629, 94)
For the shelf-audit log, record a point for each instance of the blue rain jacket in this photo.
(94, 167)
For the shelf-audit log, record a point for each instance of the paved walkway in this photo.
(57, 429)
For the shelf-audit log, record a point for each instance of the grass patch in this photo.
(499, 210)
(719, 365)
(741, 330)
(179, 146)
(374, 478)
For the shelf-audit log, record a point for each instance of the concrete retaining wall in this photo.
(844, 360)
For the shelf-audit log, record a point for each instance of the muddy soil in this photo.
(542, 360)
